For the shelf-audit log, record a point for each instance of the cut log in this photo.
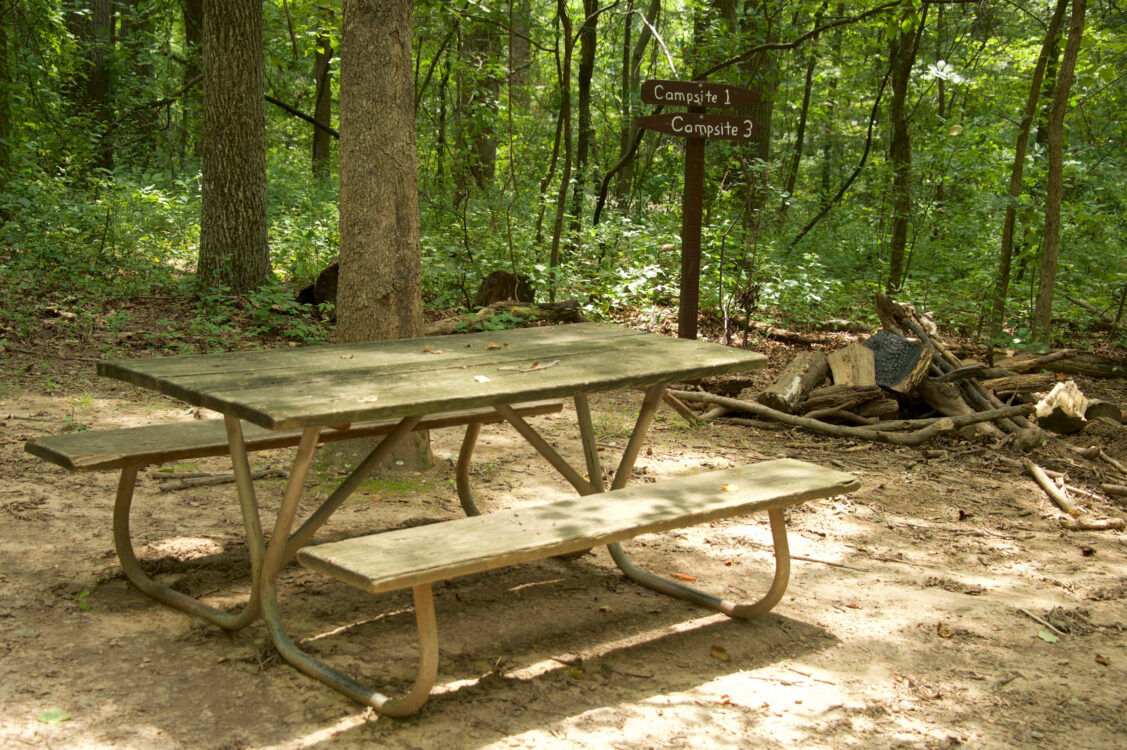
(1103, 410)
(856, 400)
(946, 399)
(900, 364)
(974, 370)
(1031, 382)
(1062, 411)
(803, 374)
(853, 365)
(1069, 362)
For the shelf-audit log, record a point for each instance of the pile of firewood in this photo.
(871, 390)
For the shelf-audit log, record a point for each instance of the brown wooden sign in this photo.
(709, 127)
(697, 94)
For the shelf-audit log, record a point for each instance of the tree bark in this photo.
(588, 41)
(1005, 255)
(380, 287)
(802, 374)
(5, 108)
(323, 102)
(1054, 191)
(563, 72)
(903, 55)
(233, 228)
(380, 284)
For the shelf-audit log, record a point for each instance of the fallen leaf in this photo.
(346, 356)
(1048, 637)
(491, 347)
(481, 378)
(943, 630)
(53, 715)
(729, 562)
(1103, 660)
(730, 487)
(725, 700)
(684, 577)
(428, 350)
(604, 608)
(719, 654)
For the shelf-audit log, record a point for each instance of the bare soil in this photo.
(941, 605)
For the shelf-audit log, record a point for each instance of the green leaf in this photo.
(53, 715)
(1047, 636)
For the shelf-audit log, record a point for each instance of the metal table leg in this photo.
(283, 545)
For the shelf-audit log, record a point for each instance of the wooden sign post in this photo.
(695, 127)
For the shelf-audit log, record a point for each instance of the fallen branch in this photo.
(678, 406)
(918, 437)
(183, 484)
(1093, 452)
(1055, 493)
(1119, 490)
(1089, 524)
(964, 420)
(1046, 623)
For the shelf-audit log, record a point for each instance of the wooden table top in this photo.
(322, 385)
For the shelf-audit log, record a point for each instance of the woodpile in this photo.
(905, 386)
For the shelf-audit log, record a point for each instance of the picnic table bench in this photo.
(401, 386)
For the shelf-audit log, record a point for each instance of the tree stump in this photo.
(503, 285)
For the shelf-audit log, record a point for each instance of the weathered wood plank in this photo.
(148, 372)
(319, 387)
(100, 450)
(406, 557)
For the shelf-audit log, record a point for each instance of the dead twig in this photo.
(183, 484)
(678, 406)
(1038, 620)
(1092, 524)
(1055, 493)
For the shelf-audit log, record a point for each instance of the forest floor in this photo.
(915, 616)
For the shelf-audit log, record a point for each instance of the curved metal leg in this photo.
(732, 609)
(123, 543)
(279, 551)
(403, 705)
(462, 470)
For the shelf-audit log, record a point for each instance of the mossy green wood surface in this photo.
(406, 557)
(353, 383)
(99, 450)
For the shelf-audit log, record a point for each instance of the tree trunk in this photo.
(520, 53)
(323, 106)
(233, 229)
(478, 89)
(632, 54)
(563, 71)
(800, 131)
(1005, 257)
(1050, 241)
(588, 40)
(903, 54)
(5, 108)
(192, 11)
(380, 285)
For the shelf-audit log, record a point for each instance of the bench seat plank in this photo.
(99, 450)
(423, 554)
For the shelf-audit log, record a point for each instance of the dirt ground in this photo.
(940, 605)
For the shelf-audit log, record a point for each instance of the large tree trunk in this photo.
(380, 286)
(1050, 241)
(563, 72)
(1005, 255)
(233, 229)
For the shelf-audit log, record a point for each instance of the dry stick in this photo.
(218, 479)
(676, 405)
(914, 438)
(962, 420)
(1047, 624)
(1114, 489)
(1089, 524)
(713, 413)
(756, 423)
(1054, 492)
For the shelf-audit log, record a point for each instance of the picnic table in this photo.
(304, 396)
